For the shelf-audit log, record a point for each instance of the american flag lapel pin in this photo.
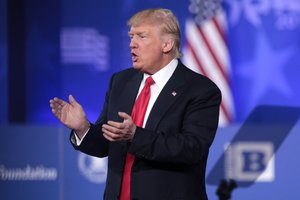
(174, 93)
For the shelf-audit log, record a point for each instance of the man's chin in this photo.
(135, 66)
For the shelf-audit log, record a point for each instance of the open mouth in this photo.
(134, 57)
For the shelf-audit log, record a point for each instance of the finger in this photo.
(59, 101)
(112, 129)
(114, 137)
(52, 102)
(117, 125)
(72, 100)
(54, 105)
(111, 136)
(108, 138)
(124, 115)
(56, 113)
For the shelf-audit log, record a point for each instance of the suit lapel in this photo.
(128, 96)
(172, 91)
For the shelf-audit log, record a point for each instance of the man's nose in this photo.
(133, 43)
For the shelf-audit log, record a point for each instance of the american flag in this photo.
(206, 52)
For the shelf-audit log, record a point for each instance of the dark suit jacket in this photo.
(171, 151)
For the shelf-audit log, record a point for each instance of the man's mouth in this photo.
(134, 57)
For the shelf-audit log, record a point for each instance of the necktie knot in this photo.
(149, 81)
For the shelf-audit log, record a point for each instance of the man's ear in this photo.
(168, 46)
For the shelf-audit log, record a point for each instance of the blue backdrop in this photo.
(73, 47)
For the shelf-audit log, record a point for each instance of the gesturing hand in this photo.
(118, 131)
(70, 114)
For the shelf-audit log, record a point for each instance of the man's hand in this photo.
(70, 114)
(118, 131)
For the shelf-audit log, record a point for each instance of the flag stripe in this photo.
(216, 22)
(224, 113)
(212, 52)
(216, 40)
(206, 52)
(208, 65)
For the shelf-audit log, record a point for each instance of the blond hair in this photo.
(163, 18)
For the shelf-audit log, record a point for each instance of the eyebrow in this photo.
(137, 33)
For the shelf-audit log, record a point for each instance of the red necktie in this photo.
(138, 114)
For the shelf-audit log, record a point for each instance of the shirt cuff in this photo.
(78, 140)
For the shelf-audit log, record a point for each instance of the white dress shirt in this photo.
(160, 78)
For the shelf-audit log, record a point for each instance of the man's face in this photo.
(146, 46)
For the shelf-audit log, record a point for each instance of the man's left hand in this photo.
(118, 131)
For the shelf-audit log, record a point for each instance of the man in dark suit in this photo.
(169, 148)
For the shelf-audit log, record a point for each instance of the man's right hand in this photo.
(70, 114)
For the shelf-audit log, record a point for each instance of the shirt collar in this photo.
(162, 76)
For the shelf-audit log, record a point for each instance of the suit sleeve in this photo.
(188, 144)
